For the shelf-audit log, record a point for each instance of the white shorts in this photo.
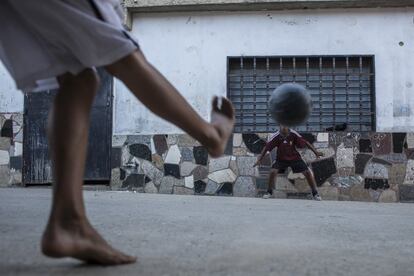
(40, 40)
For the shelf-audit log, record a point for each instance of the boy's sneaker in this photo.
(267, 196)
(317, 197)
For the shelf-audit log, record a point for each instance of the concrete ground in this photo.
(194, 235)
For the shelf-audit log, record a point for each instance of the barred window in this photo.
(342, 90)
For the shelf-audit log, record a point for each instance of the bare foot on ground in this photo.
(81, 241)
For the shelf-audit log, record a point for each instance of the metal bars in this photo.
(342, 90)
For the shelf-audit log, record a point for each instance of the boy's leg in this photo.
(154, 91)
(69, 233)
(311, 181)
(272, 180)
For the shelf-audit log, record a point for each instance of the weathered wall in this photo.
(375, 167)
(11, 100)
(191, 50)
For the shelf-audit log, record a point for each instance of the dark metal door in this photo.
(37, 165)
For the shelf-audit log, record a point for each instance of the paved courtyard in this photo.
(196, 235)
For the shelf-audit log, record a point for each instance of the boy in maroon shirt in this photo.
(287, 140)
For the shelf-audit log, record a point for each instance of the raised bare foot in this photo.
(222, 119)
(81, 241)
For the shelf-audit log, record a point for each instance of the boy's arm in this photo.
(260, 157)
(312, 148)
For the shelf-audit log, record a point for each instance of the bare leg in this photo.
(272, 180)
(69, 233)
(311, 180)
(152, 89)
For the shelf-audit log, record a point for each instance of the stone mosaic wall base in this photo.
(376, 167)
(11, 149)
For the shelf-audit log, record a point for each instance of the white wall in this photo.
(191, 50)
(11, 100)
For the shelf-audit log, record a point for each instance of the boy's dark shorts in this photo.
(298, 166)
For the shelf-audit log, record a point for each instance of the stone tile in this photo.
(15, 177)
(18, 149)
(125, 157)
(152, 172)
(361, 161)
(266, 160)
(237, 139)
(139, 139)
(345, 172)
(5, 143)
(179, 190)
(141, 151)
(172, 169)
(200, 173)
(172, 139)
(351, 140)
(187, 168)
(279, 194)
(409, 173)
(4, 157)
(187, 154)
(226, 189)
(173, 155)
(150, 188)
(294, 176)
(323, 169)
(302, 186)
(394, 158)
(160, 143)
(381, 161)
(239, 151)
(16, 163)
(375, 184)
(134, 181)
(244, 187)
(157, 161)
(309, 137)
(245, 165)
(2, 120)
(398, 140)
(406, 193)
(185, 140)
(375, 170)
(388, 196)
(122, 174)
(321, 145)
(397, 174)
(217, 164)
(253, 142)
(375, 194)
(329, 193)
(18, 137)
(365, 145)
(347, 181)
(410, 140)
(118, 140)
(344, 157)
(116, 181)
(211, 188)
(359, 193)
(228, 150)
(327, 152)
(222, 176)
(261, 183)
(199, 187)
(233, 167)
(282, 184)
(7, 129)
(4, 176)
(116, 157)
(381, 143)
(167, 184)
(322, 137)
(200, 155)
(189, 182)
(409, 153)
